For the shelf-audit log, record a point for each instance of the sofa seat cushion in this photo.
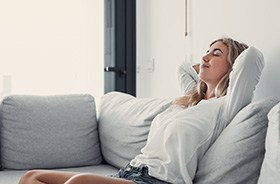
(13, 177)
(237, 154)
(270, 171)
(49, 131)
(124, 124)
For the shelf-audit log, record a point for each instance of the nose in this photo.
(205, 58)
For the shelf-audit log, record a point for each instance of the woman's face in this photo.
(214, 64)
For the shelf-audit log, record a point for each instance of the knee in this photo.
(29, 177)
(76, 179)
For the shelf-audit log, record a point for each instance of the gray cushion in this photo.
(124, 124)
(236, 156)
(270, 171)
(49, 132)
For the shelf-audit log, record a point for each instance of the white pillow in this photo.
(124, 124)
(270, 171)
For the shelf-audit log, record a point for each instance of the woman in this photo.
(180, 136)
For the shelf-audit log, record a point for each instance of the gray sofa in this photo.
(64, 132)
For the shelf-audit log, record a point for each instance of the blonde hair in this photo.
(195, 95)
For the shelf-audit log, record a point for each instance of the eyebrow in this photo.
(215, 49)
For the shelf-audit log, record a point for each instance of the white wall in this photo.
(253, 22)
(51, 47)
(160, 37)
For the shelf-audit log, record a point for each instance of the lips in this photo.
(204, 66)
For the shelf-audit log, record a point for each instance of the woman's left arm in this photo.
(187, 76)
(245, 76)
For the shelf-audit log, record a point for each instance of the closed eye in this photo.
(217, 52)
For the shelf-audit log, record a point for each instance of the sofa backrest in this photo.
(237, 154)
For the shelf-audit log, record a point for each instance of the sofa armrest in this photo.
(49, 131)
(270, 171)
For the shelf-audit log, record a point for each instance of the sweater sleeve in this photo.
(187, 77)
(245, 76)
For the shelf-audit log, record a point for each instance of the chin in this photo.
(203, 78)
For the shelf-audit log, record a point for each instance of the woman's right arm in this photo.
(187, 76)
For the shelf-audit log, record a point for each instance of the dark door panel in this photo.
(120, 46)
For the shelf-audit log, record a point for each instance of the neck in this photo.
(210, 93)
